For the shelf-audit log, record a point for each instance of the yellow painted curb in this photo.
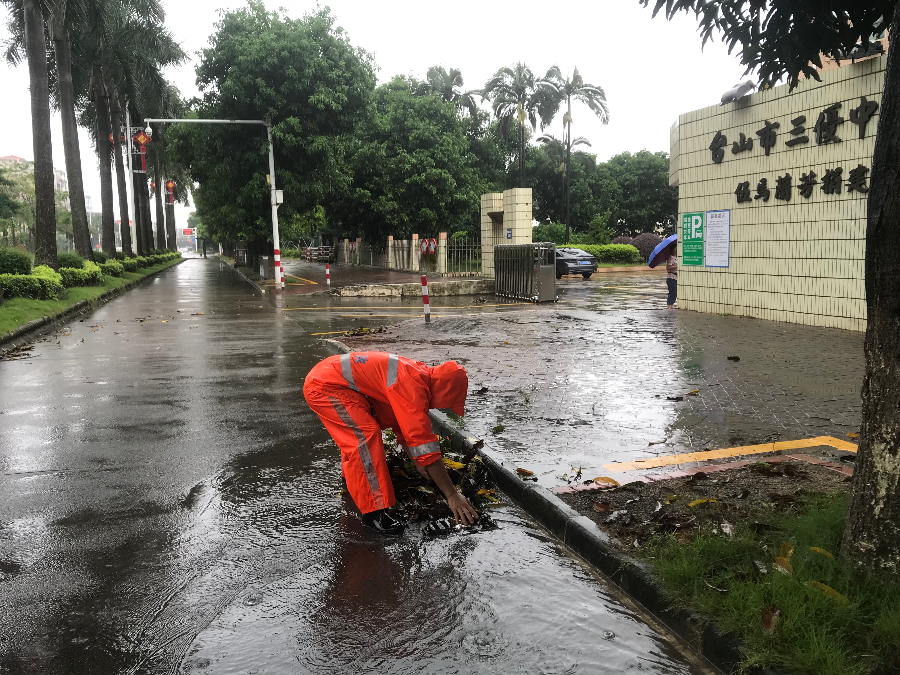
(780, 446)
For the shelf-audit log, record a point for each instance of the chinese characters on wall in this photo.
(826, 130)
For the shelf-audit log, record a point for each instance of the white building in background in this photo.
(60, 182)
(772, 199)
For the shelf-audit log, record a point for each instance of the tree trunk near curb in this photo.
(145, 207)
(872, 533)
(161, 229)
(170, 224)
(141, 241)
(44, 185)
(125, 225)
(107, 219)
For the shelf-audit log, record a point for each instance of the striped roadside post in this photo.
(328, 275)
(425, 299)
(279, 273)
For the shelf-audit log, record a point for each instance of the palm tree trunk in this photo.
(145, 206)
(125, 225)
(568, 178)
(107, 219)
(161, 229)
(63, 51)
(139, 230)
(44, 189)
(521, 154)
(170, 223)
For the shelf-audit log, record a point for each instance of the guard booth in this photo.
(526, 271)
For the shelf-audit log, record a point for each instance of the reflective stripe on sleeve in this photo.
(393, 363)
(347, 371)
(425, 449)
(364, 455)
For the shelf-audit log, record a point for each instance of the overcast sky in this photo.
(651, 70)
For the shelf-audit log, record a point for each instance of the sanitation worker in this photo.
(357, 395)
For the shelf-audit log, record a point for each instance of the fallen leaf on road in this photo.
(425, 489)
(606, 480)
(734, 358)
(671, 498)
(498, 429)
(657, 442)
(164, 321)
(453, 465)
(524, 472)
(704, 500)
(852, 435)
(674, 398)
(787, 550)
(694, 392)
(783, 565)
(770, 616)
(601, 507)
(483, 390)
(828, 591)
(821, 551)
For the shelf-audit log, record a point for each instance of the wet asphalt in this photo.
(170, 505)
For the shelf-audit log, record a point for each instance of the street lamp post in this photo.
(275, 196)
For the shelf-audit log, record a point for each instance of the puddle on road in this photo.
(504, 602)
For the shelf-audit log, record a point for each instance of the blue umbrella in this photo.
(659, 253)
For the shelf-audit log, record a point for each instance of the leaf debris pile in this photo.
(420, 501)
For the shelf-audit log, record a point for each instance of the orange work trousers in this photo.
(347, 415)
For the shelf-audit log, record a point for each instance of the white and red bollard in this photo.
(425, 299)
(279, 273)
(327, 275)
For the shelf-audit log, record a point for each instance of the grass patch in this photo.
(829, 619)
(19, 311)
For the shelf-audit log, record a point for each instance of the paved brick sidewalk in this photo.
(586, 382)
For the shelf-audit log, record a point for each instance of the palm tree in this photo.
(515, 94)
(448, 85)
(59, 24)
(563, 154)
(28, 16)
(565, 90)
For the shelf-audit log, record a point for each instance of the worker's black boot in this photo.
(383, 522)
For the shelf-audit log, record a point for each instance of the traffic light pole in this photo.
(275, 196)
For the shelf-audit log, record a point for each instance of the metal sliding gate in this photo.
(526, 271)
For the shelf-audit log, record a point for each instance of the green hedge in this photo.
(69, 260)
(129, 264)
(14, 261)
(611, 253)
(113, 268)
(100, 257)
(42, 284)
(51, 281)
(89, 275)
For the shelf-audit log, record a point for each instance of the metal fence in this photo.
(526, 271)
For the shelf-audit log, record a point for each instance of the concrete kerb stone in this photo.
(414, 289)
(32, 329)
(583, 536)
(242, 275)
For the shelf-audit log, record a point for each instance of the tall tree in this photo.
(104, 130)
(646, 201)
(448, 85)
(787, 38)
(563, 90)
(121, 183)
(59, 31)
(44, 185)
(515, 96)
(162, 233)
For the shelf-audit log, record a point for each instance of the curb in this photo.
(241, 275)
(581, 534)
(51, 320)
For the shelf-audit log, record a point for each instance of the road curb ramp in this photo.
(46, 323)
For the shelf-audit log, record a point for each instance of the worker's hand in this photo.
(463, 511)
(422, 470)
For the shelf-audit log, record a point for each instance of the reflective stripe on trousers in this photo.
(363, 447)
(393, 363)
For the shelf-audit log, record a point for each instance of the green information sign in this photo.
(692, 239)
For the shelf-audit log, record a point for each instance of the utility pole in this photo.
(275, 196)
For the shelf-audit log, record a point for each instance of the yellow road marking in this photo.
(779, 446)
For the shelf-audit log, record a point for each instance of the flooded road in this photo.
(171, 505)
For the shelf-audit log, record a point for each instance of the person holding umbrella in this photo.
(667, 250)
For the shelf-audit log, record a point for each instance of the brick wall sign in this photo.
(780, 179)
(692, 239)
